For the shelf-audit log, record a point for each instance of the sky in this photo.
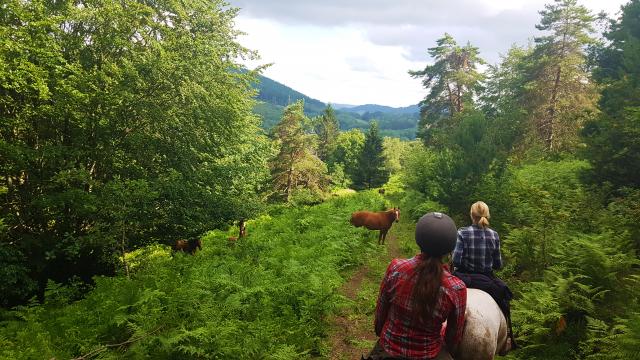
(360, 51)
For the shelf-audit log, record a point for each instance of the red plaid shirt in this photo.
(401, 332)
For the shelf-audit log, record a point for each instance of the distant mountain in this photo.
(273, 92)
(373, 108)
(342, 106)
(395, 122)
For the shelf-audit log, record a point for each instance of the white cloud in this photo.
(359, 51)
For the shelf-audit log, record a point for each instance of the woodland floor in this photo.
(351, 332)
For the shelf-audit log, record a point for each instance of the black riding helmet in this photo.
(436, 234)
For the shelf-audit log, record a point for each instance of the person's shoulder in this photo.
(399, 264)
(492, 232)
(465, 229)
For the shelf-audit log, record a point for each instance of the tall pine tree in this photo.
(371, 171)
(451, 82)
(327, 129)
(560, 91)
(295, 166)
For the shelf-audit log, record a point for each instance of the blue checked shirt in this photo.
(477, 250)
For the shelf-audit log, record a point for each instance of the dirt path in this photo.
(352, 330)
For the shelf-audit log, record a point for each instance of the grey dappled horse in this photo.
(485, 329)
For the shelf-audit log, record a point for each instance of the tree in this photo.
(451, 83)
(612, 139)
(97, 92)
(560, 91)
(394, 152)
(371, 171)
(347, 151)
(295, 165)
(326, 128)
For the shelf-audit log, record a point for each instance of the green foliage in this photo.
(535, 314)
(612, 139)
(559, 90)
(371, 171)
(274, 97)
(617, 341)
(339, 178)
(567, 257)
(347, 151)
(326, 128)
(114, 100)
(451, 81)
(548, 202)
(275, 93)
(295, 167)
(451, 175)
(265, 297)
(15, 282)
(395, 151)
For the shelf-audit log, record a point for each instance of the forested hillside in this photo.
(394, 122)
(117, 151)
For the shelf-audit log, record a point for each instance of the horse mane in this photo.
(391, 214)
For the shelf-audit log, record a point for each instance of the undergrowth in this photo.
(266, 297)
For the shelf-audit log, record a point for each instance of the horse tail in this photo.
(425, 293)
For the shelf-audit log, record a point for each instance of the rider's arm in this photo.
(457, 252)
(497, 257)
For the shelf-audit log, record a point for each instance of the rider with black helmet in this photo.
(418, 295)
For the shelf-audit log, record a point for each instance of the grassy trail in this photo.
(352, 328)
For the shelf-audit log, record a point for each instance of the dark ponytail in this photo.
(425, 292)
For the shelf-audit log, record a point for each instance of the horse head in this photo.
(397, 213)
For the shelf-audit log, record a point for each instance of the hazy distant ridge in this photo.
(372, 108)
(274, 96)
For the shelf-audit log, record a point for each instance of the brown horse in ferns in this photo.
(243, 232)
(188, 246)
(381, 220)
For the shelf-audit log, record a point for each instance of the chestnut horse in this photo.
(188, 246)
(381, 220)
(243, 232)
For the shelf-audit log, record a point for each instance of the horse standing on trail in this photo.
(381, 220)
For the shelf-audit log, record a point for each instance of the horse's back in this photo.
(485, 330)
(364, 218)
(370, 220)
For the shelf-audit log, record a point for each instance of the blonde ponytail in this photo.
(480, 214)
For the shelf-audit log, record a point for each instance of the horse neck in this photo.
(391, 215)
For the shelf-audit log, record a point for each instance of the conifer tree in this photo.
(289, 132)
(612, 139)
(327, 129)
(560, 91)
(295, 166)
(371, 171)
(451, 82)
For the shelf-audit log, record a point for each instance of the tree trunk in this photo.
(124, 260)
(548, 124)
(288, 188)
(551, 112)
